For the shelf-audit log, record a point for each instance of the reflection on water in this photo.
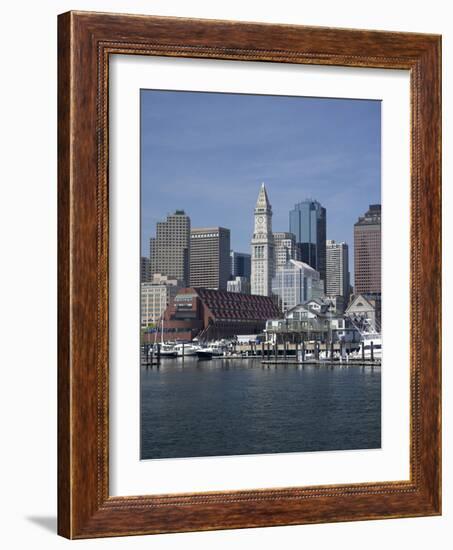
(214, 408)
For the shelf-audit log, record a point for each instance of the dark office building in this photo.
(308, 223)
(145, 269)
(241, 264)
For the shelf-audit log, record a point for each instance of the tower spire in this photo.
(263, 204)
(262, 246)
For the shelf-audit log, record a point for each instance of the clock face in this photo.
(260, 219)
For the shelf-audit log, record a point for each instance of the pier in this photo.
(281, 353)
(305, 352)
(324, 363)
(149, 357)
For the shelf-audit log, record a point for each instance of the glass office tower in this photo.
(308, 223)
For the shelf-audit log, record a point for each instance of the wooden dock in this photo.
(304, 353)
(323, 363)
(149, 357)
(317, 351)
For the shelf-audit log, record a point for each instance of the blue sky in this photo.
(207, 153)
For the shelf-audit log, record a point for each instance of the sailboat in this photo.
(166, 350)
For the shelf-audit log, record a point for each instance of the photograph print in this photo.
(260, 275)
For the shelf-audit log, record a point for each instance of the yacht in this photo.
(367, 335)
(186, 350)
(377, 345)
(367, 338)
(167, 350)
(210, 352)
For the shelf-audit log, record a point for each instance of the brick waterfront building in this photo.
(212, 314)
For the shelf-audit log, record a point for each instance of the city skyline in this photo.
(189, 142)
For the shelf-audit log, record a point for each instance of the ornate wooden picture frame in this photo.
(85, 507)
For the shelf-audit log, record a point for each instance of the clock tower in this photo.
(262, 246)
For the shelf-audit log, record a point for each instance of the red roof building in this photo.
(212, 314)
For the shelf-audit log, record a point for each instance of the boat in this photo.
(186, 350)
(367, 339)
(210, 352)
(167, 350)
(164, 350)
(368, 335)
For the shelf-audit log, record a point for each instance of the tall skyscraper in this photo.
(307, 221)
(262, 246)
(170, 249)
(337, 268)
(285, 248)
(210, 262)
(241, 264)
(367, 252)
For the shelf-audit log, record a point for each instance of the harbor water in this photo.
(193, 408)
